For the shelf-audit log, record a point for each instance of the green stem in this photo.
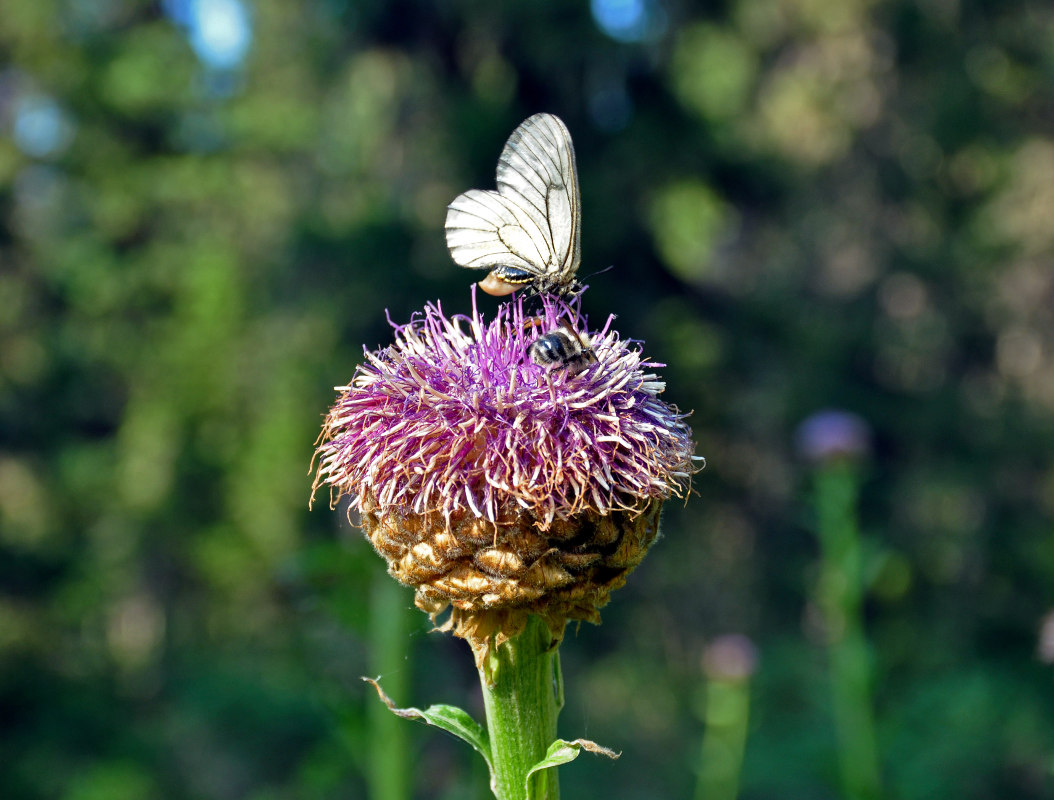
(522, 695)
(840, 597)
(389, 770)
(726, 716)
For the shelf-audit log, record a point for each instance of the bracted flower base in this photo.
(495, 574)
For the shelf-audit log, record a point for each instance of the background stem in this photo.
(726, 715)
(522, 695)
(840, 595)
(388, 772)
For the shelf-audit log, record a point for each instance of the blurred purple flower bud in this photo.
(1045, 645)
(731, 657)
(833, 434)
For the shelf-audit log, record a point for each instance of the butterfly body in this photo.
(528, 232)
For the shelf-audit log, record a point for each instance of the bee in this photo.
(562, 348)
(528, 232)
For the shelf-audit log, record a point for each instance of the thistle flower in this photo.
(832, 435)
(499, 488)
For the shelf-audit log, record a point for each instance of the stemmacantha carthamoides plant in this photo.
(518, 496)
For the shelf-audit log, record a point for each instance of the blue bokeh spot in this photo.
(219, 30)
(627, 20)
(40, 128)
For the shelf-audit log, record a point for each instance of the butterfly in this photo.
(528, 232)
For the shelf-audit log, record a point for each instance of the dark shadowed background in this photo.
(206, 207)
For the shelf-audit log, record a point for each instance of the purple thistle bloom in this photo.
(497, 485)
(455, 416)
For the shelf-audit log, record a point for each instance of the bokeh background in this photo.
(206, 207)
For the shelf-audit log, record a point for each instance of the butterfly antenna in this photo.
(601, 271)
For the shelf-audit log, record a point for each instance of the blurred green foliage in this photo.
(807, 203)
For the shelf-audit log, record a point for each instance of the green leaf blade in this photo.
(563, 752)
(453, 720)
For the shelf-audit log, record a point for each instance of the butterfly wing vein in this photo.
(532, 222)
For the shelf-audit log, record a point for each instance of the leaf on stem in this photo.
(449, 718)
(563, 752)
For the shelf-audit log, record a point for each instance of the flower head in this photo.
(495, 484)
(832, 435)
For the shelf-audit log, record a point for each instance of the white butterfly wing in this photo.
(484, 230)
(533, 221)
